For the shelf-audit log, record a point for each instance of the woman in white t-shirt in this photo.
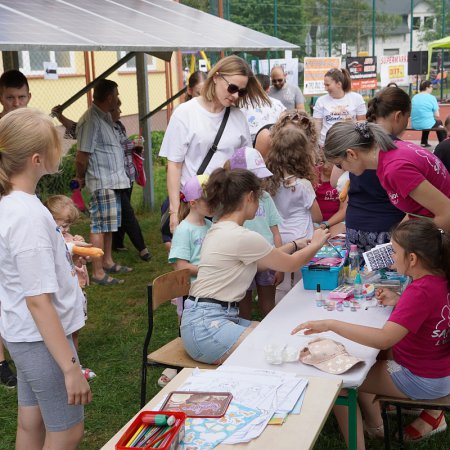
(41, 300)
(211, 328)
(339, 105)
(194, 125)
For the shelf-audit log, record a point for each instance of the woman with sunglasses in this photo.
(194, 125)
(415, 180)
(339, 105)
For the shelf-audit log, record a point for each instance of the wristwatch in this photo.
(325, 222)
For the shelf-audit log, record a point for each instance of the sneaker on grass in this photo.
(7, 378)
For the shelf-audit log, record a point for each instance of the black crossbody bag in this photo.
(165, 216)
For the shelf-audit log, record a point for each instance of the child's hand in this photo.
(386, 297)
(78, 389)
(279, 277)
(77, 238)
(315, 326)
(319, 237)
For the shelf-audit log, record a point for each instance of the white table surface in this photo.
(299, 306)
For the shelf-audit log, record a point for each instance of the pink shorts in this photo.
(265, 278)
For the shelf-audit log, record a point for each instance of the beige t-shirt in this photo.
(228, 262)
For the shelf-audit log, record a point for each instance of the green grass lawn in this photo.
(111, 345)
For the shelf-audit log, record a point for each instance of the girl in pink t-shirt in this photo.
(415, 180)
(417, 333)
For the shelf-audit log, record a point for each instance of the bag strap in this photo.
(213, 148)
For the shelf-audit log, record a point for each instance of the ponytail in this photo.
(430, 243)
(226, 189)
(387, 101)
(341, 76)
(362, 135)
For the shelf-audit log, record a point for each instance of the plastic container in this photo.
(174, 437)
(329, 278)
(358, 289)
(353, 258)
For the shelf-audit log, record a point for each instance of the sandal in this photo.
(374, 432)
(166, 377)
(115, 268)
(410, 433)
(106, 281)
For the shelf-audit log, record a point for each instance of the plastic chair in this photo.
(442, 403)
(163, 289)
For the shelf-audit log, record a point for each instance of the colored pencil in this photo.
(134, 436)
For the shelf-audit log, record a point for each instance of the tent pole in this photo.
(144, 127)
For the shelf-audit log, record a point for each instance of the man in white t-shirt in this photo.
(291, 96)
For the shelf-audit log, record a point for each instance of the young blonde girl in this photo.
(41, 304)
(291, 160)
(417, 332)
(65, 213)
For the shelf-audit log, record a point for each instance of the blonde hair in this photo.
(233, 65)
(302, 120)
(23, 133)
(60, 205)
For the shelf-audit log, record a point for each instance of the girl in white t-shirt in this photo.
(339, 105)
(41, 301)
(211, 327)
(291, 160)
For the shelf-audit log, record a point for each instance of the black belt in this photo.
(213, 300)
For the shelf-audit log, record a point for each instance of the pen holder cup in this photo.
(170, 442)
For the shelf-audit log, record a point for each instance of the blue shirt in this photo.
(369, 207)
(423, 107)
(187, 242)
(266, 216)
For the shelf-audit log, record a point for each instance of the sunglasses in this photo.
(279, 80)
(295, 116)
(232, 88)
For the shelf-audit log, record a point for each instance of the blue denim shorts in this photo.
(209, 330)
(415, 387)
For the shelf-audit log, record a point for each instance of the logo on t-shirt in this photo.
(442, 330)
(433, 161)
(393, 197)
(261, 212)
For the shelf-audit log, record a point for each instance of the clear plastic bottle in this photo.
(358, 288)
(353, 257)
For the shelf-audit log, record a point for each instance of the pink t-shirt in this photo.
(401, 170)
(328, 199)
(424, 309)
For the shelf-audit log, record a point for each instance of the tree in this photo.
(351, 21)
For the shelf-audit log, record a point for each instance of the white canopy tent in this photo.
(156, 27)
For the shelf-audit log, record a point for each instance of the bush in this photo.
(59, 182)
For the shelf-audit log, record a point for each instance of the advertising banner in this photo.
(315, 69)
(394, 69)
(363, 72)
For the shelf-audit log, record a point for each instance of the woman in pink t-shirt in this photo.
(415, 180)
(417, 332)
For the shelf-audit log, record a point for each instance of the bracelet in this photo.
(295, 246)
(325, 222)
